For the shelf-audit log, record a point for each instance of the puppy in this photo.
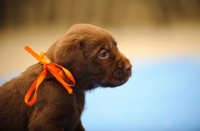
(91, 55)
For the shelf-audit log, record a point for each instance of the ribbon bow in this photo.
(59, 72)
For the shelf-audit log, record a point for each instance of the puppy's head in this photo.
(91, 54)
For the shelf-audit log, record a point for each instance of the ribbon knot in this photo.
(59, 72)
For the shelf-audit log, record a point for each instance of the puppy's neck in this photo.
(84, 84)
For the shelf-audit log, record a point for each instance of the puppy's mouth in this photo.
(118, 78)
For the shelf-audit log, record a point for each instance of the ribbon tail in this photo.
(28, 94)
(34, 88)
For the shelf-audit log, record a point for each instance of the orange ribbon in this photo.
(59, 72)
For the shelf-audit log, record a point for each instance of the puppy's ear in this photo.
(68, 54)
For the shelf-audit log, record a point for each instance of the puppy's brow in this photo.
(106, 47)
(113, 43)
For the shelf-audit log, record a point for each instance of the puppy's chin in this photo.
(117, 79)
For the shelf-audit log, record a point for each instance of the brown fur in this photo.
(80, 51)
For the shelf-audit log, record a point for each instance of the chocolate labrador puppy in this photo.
(91, 55)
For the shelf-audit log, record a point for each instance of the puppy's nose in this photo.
(128, 67)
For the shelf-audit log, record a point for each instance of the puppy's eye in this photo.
(103, 54)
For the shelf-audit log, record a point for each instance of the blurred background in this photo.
(160, 37)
